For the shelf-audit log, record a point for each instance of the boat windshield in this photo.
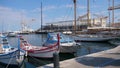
(55, 38)
(63, 38)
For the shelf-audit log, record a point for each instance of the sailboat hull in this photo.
(93, 38)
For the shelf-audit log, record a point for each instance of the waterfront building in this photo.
(81, 23)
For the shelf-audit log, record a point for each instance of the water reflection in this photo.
(38, 39)
(34, 39)
(92, 47)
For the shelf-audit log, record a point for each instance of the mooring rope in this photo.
(38, 60)
(10, 60)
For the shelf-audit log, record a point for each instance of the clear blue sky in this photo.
(12, 12)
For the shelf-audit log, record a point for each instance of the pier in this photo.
(104, 59)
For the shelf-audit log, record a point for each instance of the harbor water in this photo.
(38, 39)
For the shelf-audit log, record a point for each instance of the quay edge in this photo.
(105, 59)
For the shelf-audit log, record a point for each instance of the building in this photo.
(81, 23)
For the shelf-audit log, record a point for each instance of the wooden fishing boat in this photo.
(45, 51)
(10, 55)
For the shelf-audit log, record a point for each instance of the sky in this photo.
(13, 12)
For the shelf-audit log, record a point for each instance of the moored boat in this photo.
(67, 32)
(115, 42)
(12, 34)
(41, 32)
(10, 55)
(45, 51)
(93, 38)
(67, 44)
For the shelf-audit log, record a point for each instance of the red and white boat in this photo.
(45, 51)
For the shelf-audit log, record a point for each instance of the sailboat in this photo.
(88, 36)
(10, 55)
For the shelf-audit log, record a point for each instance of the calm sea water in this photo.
(38, 39)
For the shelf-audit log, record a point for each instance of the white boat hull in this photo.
(42, 54)
(70, 47)
(11, 58)
(92, 39)
(114, 42)
(45, 51)
(11, 35)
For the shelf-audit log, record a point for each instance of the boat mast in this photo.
(113, 12)
(88, 12)
(74, 16)
(2, 26)
(41, 17)
(109, 13)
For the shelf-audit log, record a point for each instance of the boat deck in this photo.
(105, 59)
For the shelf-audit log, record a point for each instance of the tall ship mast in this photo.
(41, 17)
(74, 16)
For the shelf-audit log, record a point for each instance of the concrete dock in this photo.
(105, 59)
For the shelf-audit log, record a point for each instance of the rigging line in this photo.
(10, 60)
(38, 60)
(94, 6)
(117, 1)
(57, 6)
(68, 12)
(77, 10)
(68, 15)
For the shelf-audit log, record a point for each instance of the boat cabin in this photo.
(5, 47)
